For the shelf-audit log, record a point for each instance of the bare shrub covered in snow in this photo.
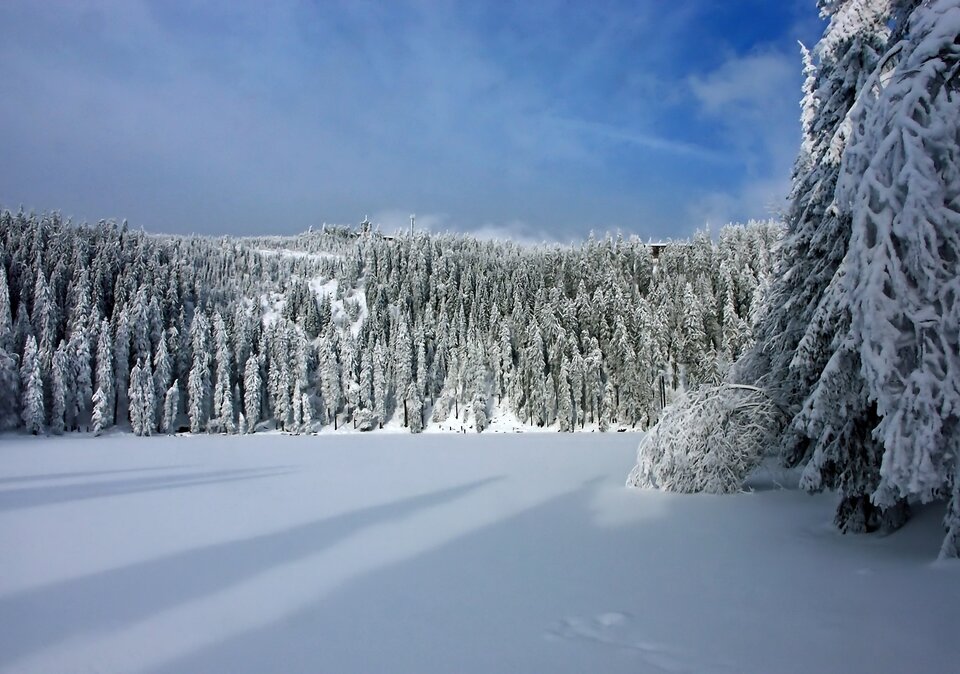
(708, 440)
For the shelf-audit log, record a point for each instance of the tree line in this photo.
(101, 325)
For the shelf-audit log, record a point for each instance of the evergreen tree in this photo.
(9, 392)
(252, 390)
(403, 362)
(415, 408)
(121, 359)
(223, 389)
(142, 399)
(31, 384)
(60, 390)
(198, 392)
(82, 377)
(102, 415)
(565, 401)
(901, 173)
(162, 373)
(171, 409)
(6, 315)
(104, 406)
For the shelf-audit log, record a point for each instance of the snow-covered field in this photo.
(395, 553)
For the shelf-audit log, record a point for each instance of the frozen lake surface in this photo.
(440, 553)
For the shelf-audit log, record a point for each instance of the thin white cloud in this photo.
(648, 141)
(747, 81)
(516, 231)
(755, 96)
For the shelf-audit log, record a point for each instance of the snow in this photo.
(480, 553)
(322, 287)
(287, 252)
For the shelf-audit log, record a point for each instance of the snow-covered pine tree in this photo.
(104, 406)
(142, 399)
(198, 385)
(101, 417)
(403, 364)
(805, 322)
(306, 413)
(45, 320)
(608, 407)
(9, 391)
(162, 372)
(121, 359)
(171, 409)
(60, 393)
(6, 315)
(80, 357)
(565, 400)
(366, 379)
(795, 339)
(252, 392)
(380, 389)
(859, 347)
(415, 409)
(223, 420)
(901, 176)
(31, 386)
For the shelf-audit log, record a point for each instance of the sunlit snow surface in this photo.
(440, 553)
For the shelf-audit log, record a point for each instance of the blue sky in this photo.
(539, 119)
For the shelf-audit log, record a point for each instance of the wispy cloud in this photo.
(549, 118)
(755, 99)
(598, 130)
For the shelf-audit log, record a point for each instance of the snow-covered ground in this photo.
(439, 553)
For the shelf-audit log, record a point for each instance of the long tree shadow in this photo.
(43, 477)
(35, 619)
(551, 590)
(453, 608)
(29, 497)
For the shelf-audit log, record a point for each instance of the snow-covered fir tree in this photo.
(104, 397)
(9, 392)
(252, 391)
(171, 409)
(856, 353)
(31, 385)
(142, 399)
(198, 387)
(60, 389)
(223, 420)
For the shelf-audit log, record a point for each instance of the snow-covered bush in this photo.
(366, 420)
(707, 440)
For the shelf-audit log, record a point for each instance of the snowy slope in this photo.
(391, 553)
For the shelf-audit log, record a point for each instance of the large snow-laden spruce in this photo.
(799, 329)
(903, 181)
(859, 345)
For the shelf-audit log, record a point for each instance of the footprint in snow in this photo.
(616, 630)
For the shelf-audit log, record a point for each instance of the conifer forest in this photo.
(102, 325)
